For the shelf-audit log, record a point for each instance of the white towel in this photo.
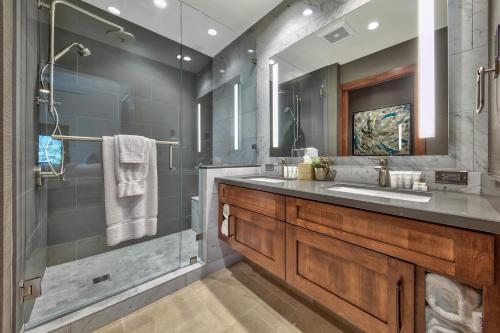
(451, 300)
(131, 148)
(476, 323)
(435, 324)
(133, 216)
(131, 177)
(224, 228)
(225, 211)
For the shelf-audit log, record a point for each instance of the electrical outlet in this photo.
(452, 177)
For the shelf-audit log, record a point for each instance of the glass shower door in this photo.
(133, 86)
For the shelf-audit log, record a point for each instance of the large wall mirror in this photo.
(372, 83)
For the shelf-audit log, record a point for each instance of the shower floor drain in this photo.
(102, 278)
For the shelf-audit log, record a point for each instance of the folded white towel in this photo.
(129, 217)
(435, 324)
(451, 300)
(224, 228)
(131, 148)
(225, 211)
(476, 323)
(131, 176)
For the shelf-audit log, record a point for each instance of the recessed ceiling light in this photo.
(114, 10)
(272, 62)
(221, 70)
(179, 56)
(307, 12)
(187, 58)
(160, 3)
(373, 25)
(212, 32)
(251, 51)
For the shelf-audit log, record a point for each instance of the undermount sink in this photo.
(268, 180)
(405, 196)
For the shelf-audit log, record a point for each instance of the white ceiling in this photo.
(398, 23)
(229, 17)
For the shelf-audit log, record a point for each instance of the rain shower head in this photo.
(122, 35)
(82, 51)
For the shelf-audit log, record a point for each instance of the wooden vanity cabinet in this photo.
(259, 238)
(373, 291)
(256, 226)
(366, 267)
(463, 254)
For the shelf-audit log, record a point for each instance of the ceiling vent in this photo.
(336, 32)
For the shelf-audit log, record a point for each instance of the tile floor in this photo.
(68, 287)
(237, 299)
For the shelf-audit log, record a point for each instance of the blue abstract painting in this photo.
(382, 132)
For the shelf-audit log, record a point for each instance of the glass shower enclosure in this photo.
(105, 83)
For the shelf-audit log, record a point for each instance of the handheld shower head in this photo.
(82, 51)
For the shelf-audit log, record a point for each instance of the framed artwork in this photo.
(382, 132)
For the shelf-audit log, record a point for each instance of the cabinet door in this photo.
(373, 291)
(259, 238)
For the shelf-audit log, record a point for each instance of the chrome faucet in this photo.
(383, 172)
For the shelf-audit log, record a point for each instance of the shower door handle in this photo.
(480, 90)
(171, 157)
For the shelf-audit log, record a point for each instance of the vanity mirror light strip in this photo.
(275, 106)
(199, 127)
(236, 98)
(426, 70)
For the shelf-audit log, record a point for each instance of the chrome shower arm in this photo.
(52, 59)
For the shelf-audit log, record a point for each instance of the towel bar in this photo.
(38, 171)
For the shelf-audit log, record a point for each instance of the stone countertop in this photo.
(469, 211)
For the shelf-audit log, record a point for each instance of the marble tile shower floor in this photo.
(69, 286)
(237, 299)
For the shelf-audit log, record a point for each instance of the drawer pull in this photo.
(398, 307)
(230, 226)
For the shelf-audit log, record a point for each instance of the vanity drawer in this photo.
(373, 291)
(265, 203)
(466, 255)
(259, 238)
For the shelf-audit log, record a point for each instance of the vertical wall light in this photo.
(426, 64)
(236, 98)
(275, 105)
(199, 127)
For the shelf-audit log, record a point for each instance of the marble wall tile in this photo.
(460, 22)
(479, 16)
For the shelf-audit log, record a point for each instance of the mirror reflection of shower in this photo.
(294, 112)
(118, 32)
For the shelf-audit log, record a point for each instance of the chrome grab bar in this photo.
(480, 78)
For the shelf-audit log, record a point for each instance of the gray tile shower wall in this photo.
(116, 91)
(468, 26)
